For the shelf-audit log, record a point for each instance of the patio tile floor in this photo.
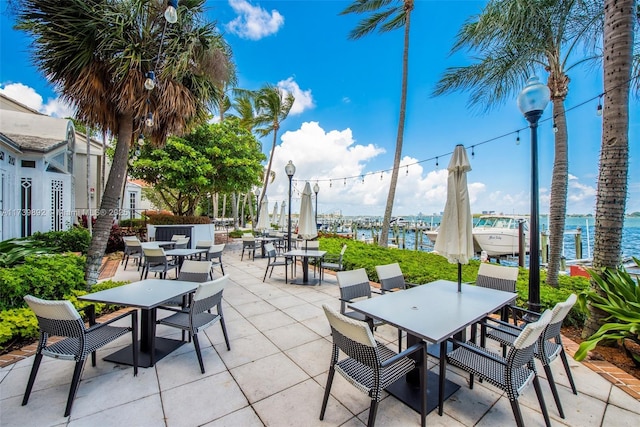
(274, 375)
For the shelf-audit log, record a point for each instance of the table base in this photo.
(410, 395)
(310, 282)
(164, 346)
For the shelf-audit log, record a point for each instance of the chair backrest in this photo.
(353, 337)
(215, 251)
(181, 243)
(56, 318)
(270, 250)
(154, 255)
(390, 276)
(344, 249)
(195, 271)
(132, 244)
(311, 244)
(354, 284)
(178, 236)
(521, 353)
(208, 295)
(203, 244)
(497, 277)
(558, 313)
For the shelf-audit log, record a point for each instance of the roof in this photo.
(34, 143)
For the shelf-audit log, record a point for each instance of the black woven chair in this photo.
(198, 316)
(249, 245)
(549, 345)
(156, 260)
(332, 262)
(510, 374)
(275, 260)
(132, 249)
(354, 286)
(369, 365)
(61, 319)
(391, 280)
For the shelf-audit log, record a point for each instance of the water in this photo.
(630, 236)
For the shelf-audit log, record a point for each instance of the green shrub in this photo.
(163, 219)
(44, 276)
(236, 234)
(133, 223)
(76, 239)
(14, 251)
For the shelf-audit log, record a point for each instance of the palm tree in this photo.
(512, 39)
(98, 53)
(271, 106)
(385, 16)
(619, 17)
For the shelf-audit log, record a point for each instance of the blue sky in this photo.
(344, 121)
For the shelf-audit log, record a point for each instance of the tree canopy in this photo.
(215, 158)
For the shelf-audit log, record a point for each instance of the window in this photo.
(28, 163)
(57, 205)
(132, 204)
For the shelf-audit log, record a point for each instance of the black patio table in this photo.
(432, 312)
(305, 254)
(147, 295)
(265, 240)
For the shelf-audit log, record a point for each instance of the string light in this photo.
(436, 162)
(141, 140)
(407, 171)
(555, 127)
(345, 182)
(473, 152)
(380, 176)
(363, 179)
(170, 14)
(518, 138)
(150, 82)
(330, 184)
(149, 120)
(599, 108)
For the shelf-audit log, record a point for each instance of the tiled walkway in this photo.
(274, 375)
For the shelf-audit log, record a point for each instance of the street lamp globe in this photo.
(534, 97)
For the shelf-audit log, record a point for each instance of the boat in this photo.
(432, 234)
(497, 235)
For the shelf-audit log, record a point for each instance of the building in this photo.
(44, 183)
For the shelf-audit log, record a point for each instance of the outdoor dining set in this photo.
(437, 319)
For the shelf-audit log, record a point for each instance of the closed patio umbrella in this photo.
(263, 216)
(274, 216)
(455, 238)
(282, 222)
(307, 228)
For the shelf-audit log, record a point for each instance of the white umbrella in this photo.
(274, 216)
(282, 222)
(455, 240)
(263, 216)
(307, 228)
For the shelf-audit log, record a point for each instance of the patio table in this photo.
(157, 244)
(147, 295)
(181, 254)
(432, 312)
(305, 254)
(263, 241)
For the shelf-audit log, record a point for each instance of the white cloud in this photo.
(26, 95)
(304, 99)
(253, 22)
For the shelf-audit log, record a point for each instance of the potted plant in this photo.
(620, 298)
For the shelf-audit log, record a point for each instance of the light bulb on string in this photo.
(437, 162)
(171, 14)
(407, 171)
(345, 182)
(555, 127)
(363, 179)
(137, 153)
(149, 120)
(380, 176)
(473, 151)
(141, 140)
(330, 184)
(599, 108)
(150, 82)
(131, 162)
(518, 138)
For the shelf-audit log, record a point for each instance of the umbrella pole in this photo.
(459, 277)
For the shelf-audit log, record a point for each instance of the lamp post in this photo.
(257, 193)
(532, 101)
(316, 189)
(290, 169)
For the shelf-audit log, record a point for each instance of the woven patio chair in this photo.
(369, 365)
(354, 286)
(391, 279)
(132, 249)
(214, 255)
(248, 244)
(549, 345)
(157, 261)
(199, 316)
(61, 319)
(511, 373)
(275, 260)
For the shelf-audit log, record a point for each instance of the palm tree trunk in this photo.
(384, 234)
(558, 202)
(109, 203)
(268, 173)
(614, 156)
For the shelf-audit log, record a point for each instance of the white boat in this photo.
(498, 234)
(432, 234)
